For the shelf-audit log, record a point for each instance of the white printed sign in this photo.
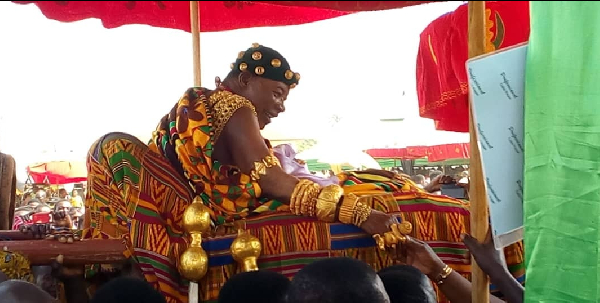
(497, 87)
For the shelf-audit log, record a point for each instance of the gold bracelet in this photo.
(327, 202)
(310, 203)
(260, 167)
(446, 271)
(361, 213)
(294, 201)
(347, 208)
(304, 198)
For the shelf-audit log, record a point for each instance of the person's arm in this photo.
(242, 135)
(454, 286)
(488, 258)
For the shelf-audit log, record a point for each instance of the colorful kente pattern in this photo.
(185, 136)
(139, 195)
(133, 193)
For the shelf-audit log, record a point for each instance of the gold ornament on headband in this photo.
(289, 74)
(293, 85)
(255, 45)
(243, 66)
(231, 65)
(276, 62)
(256, 56)
(259, 70)
(241, 54)
(297, 75)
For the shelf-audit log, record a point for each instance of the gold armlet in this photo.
(260, 167)
(346, 215)
(304, 198)
(224, 104)
(327, 202)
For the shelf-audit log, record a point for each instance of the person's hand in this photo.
(62, 219)
(66, 273)
(420, 255)
(437, 182)
(378, 223)
(485, 254)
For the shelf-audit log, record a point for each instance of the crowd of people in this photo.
(39, 208)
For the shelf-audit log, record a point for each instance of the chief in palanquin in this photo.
(210, 147)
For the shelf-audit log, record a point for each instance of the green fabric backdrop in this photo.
(562, 153)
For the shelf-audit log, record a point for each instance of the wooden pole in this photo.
(195, 22)
(194, 289)
(477, 190)
(42, 252)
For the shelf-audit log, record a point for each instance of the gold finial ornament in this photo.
(297, 75)
(256, 56)
(231, 65)
(243, 66)
(246, 249)
(259, 70)
(276, 63)
(241, 54)
(405, 228)
(289, 74)
(193, 263)
(255, 45)
(397, 235)
(293, 85)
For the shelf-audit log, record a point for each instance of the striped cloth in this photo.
(135, 194)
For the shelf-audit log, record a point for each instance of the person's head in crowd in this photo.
(64, 206)
(43, 208)
(257, 286)
(33, 203)
(419, 180)
(127, 290)
(17, 291)
(407, 284)
(62, 193)
(434, 174)
(40, 195)
(75, 193)
(337, 280)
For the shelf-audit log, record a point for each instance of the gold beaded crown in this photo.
(266, 62)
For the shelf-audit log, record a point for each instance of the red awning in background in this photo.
(58, 172)
(435, 153)
(442, 87)
(214, 15)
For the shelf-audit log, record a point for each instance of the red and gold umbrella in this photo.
(58, 172)
(442, 86)
(214, 15)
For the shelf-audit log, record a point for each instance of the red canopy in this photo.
(442, 86)
(214, 15)
(434, 153)
(58, 172)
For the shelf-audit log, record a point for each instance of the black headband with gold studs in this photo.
(266, 62)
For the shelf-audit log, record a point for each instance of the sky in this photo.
(63, 85)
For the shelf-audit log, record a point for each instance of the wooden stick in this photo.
(195, 21)
(43, 252)
(477, 191)
(193, 291)
(14, 235)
